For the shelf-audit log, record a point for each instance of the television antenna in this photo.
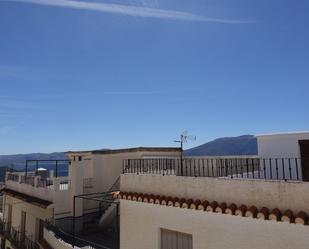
(184, 137)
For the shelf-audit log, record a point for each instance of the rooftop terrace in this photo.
(288, 169)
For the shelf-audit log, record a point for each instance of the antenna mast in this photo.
(184, 137)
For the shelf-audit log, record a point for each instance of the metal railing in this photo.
(38, 181)
(251, 167)
(44, 183)
(28, 243)
(21, 240)
(12, 177)
(27, 180)
(115, 186)
(5, 228)
(70, 239)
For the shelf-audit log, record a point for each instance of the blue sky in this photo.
(80, 75)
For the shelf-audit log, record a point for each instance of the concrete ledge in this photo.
(261, 193)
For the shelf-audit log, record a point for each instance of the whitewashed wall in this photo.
(141, 223)
(280, 145)
(33, 213)
(271, 194)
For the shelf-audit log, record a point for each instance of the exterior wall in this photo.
(63, 203)
(31, 226)
(104, 169)
(61, 198)
(42, 193)
(271, 194)
(107, 168)
(141, 223)
(280, 145)
(32, 214)
(16, 217)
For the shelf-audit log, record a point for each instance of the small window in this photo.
(80, 158)
(175, 240)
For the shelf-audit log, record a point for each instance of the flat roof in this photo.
(136, 149)
(283, 133)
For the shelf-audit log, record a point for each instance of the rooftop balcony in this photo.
(287, 169)
(35, 185)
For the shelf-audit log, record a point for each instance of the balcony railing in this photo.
(16, 237)
(5, 228)
(12, 177)
(70, 239)
(44, 183)
(27, 180)
(251, 167)
(37, 181)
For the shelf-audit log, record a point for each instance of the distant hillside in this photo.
(243, 145)
(20, 159)
(227, 146)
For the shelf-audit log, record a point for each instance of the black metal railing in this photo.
(115, 186)
(21, 240)
(27, 180)
(15, 236)
(5, 228)
(44, 183)
(49, 165)
(28, 243)
(70, 239)
(251, 167)
(12, 177)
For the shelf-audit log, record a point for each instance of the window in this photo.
(175, 240)
(9, 216)
(39, 229)
(23, 225)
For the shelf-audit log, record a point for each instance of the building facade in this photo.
(164, 202)
(31, 199)
(220, 202)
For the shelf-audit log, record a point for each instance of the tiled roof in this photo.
(223, 208)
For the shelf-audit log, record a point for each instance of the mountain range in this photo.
(226, 146)
(242, 145)
(9, 160)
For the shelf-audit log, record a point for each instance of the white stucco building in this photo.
(220, 202)
(31, 199)
(291, 145)
(224, 202)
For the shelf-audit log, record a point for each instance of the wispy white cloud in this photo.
(129, 10)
